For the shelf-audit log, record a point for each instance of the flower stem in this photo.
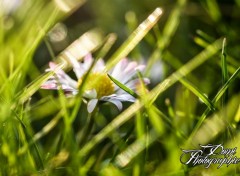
(85, 132)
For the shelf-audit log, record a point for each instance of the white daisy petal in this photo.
(68, 81)
(99, 66)
(131, 67)
(117, 70)
(117, 103)
(134, 83)
(67, 87)
(126, 97)
(140, 68)
(120, 97)
(124, 71)
(129, 72)
(53, 84)
(62, 76)
(113, 99)
(87, 62)
(76, 65)
(91, 105)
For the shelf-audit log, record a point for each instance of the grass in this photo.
(195, 101)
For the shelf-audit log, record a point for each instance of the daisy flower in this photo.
(98, 87)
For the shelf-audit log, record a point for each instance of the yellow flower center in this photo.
(100, 82)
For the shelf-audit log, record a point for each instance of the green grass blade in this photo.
(169, 30)
(224, 70)
(82, 46)
(124, 158)
(226, 85)
(205, 36)
(38, 159)
(215, 100)
(123, 87)
(210, 51)
(110, 40)
(171, 25)
(134, 38)
(34, 86)
(213, 10)
(198, 93)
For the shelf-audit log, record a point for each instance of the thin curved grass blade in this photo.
(123, 87)
(198, 93)
(135, 38)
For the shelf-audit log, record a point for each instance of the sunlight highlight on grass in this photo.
(135, 38)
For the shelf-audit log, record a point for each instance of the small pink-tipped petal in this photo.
(52, 65)
(129, 72)
(91, 105)
(62, 77)
(118, 69)
(78, 70)
(67, 87)
(99, 66)
(91, 94)
(87, 62)
(140, 68)
(125, 71)
(134, 83)
(49, 86)
(131, 67)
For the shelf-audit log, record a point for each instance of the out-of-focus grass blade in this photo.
(215, 125)
(86, 43)
(34, 86)
(154, 116)
(82, 46)
(34, 34)
(111, 170)
(85, 168)
(132, 23)
(201, 42)
(156, 120)
(205, 36)
(110, 40)
(68, 6)
(224, 70)
(237, 116)
(134, 38)
(226, 85)
(171, 25)
(152, 95)
(123, 87)
(198, 93)
(38, 158)
(48, 127)
(168, 32)
(186, 69)
(134, 149)
(213, 10)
